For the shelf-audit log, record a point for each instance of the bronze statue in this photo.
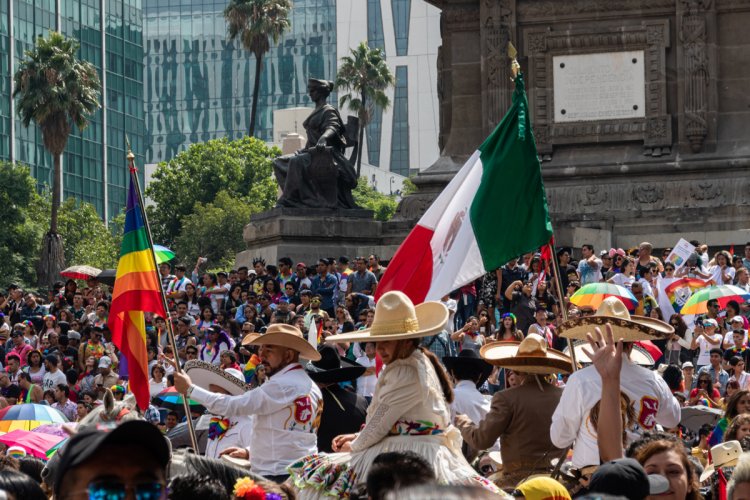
(319, 176)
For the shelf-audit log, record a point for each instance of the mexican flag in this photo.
(493, 210)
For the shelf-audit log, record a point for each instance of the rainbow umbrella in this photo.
(593, 294)
(163, 254)
(36, 444)
(29, 416)
(170, 399)
(697, 302)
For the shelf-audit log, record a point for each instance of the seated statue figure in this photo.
(319, 176)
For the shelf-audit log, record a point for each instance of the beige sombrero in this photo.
(531, 355)
(397, 318)
(204, 375)
(639, 355)
(287, 336)
(624, 326)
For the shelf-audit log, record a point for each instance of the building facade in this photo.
(199, 85)
(110, 33)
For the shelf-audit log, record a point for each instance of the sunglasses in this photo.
(119, 491)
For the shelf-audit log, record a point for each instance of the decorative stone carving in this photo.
(694, 38)
(648, 193)
(705, 190)
(593, 196)
(652, 37)
(496, 21)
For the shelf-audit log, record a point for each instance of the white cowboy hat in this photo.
(205, 375)
(531, 355)
(624, 326)
(288, 336)
(722, 455)
(638, 355)
(397, 318)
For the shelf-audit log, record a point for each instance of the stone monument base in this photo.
(307, 234)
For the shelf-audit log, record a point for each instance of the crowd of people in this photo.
(302, 385)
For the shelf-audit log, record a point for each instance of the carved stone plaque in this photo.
(599, 86)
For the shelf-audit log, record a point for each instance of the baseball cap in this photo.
(85, 444)
(687, 364)
(105, 362)
(710, 322)
(74, 335)
(626, 477)
(300, 264)
(737, 318)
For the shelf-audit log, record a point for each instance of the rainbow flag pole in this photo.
(140, 291)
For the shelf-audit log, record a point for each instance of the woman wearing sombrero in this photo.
(410, 409)
(520, 416)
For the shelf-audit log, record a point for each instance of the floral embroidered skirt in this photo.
(335, 475)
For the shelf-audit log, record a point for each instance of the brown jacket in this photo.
(521, 417)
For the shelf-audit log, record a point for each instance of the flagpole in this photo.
(170, 331)
(561, 298)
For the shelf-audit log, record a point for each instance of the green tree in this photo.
(214, 231)
(255, 23)
(55, 90)
(22, 229)
(366, 75)
(367, 197)
(242, 168)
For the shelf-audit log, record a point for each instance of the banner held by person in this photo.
(493, 210)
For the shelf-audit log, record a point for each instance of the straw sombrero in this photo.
(248, 339)
(205, 375)
(531, 355)
(624, 326)
(397, 318)
(287, 336)
(332, 368)
(639, 355)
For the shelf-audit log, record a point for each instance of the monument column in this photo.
(497, 18)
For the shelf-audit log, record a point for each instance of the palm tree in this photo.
(367, 75)
(55, 90)
(255, 22)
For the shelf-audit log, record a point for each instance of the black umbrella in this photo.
(107, 277)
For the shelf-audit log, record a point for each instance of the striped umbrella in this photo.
(37, 445)
(170, 399)
(29, 416)
(163, 254)
(80, 272)
(697, 303)
(593, 294)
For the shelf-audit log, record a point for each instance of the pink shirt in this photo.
(21, 352)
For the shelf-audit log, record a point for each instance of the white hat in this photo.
(710, 322)
(105, 362)
(204, 375)
(722, 455)
(737, 318)
(687, 364)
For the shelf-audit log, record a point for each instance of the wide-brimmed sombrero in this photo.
(469, 358)
(205, 375)
(332, 368)
(624, 326)
(397, 318)
(248, 339)
(639, 355)
(531, 355)
(287, 336)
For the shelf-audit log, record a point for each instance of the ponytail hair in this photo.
(445, 383)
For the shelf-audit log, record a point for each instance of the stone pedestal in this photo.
(305, 235)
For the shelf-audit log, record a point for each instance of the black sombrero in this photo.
(469, 358)
(332, 368)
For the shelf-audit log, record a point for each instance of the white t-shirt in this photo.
(716, 272)
(51, 380)
(366, 383)
(729, 338)
(623, 280)
(589, 273)
(704, 356)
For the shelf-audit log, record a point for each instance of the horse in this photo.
(111, 413)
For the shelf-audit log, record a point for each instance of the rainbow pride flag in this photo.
(137, 290)
(682, 289)
(250, 367)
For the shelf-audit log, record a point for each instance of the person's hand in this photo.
(236, 452)
(605, 354)
(182, 382)
(321, 145)
(341, 441)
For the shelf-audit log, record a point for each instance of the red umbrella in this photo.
(80, 272)
(36, 444)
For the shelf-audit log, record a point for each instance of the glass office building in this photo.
(199, 86)
(111, 37)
